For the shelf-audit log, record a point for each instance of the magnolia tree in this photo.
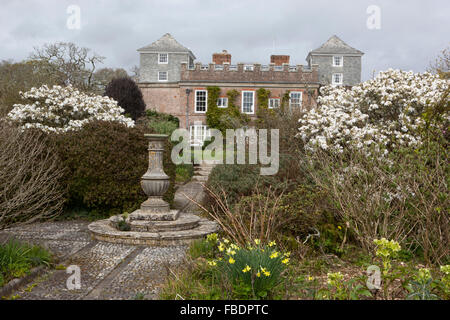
(62, 109)
(379, 114)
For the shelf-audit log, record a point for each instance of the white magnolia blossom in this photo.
(62, 109)
(381, 113)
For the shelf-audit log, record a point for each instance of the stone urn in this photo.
(155, 181)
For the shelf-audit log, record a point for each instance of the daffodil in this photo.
(272, 243)
(257, 241)
(246, 269)
(221, 247)
(212, 263)
(285, 261)
(231, 260)
(274, 255)
(258, 274)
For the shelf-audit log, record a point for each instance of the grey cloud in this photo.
(412, 34)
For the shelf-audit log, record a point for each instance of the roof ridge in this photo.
(336, 45)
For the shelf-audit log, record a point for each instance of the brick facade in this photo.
(278, 77)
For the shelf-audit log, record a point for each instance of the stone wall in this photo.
(351, 70)
(172, 99)
(149, 67)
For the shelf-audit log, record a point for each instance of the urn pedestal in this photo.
(155, 182)
(154, 224)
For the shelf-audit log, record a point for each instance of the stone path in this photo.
(108, 270)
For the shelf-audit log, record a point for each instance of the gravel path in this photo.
(107, 270)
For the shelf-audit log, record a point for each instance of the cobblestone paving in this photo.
(108, 271)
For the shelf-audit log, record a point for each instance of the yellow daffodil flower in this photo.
(246, 269)
(274, 255)
(212, 263)
(231, 260)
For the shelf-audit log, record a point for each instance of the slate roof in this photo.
(336, 45)
(166, 43)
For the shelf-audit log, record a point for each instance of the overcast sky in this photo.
(412, 32)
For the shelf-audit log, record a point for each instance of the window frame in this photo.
(337, 83)
(272, 100)
(167, 76)
(342, 61)
(202, 135)
(159, 58)
(196, 101)
(253, 101)
(223, 105)
(291, 105)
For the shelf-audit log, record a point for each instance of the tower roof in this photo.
(335, 45)
(166, 43)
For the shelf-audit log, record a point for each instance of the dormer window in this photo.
(337, 79)
(338, 61)
(163, 58)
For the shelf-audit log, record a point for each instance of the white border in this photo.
(159, 61)
(253, 102)
(195, 101)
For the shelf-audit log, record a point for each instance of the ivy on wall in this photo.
(224, 118)
(263, 104)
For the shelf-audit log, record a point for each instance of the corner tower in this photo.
(160, 62)
(339, 64)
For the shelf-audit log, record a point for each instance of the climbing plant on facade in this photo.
(224, 118)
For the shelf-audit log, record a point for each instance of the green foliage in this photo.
(305, 204)
(338, 289)
(255, 269)
(17, 259)
(202, 248)
(184, 172)
(161, 122)
(234, 181)
(263, 110)
(106, 161)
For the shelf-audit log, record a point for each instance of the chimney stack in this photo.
(221, 58)
(278, 60)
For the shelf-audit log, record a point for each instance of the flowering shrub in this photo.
(382, 113)
(258, 267)
(62, 109)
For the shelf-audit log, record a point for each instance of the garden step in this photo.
(203, 173)
(200, 178)
(184, 222)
